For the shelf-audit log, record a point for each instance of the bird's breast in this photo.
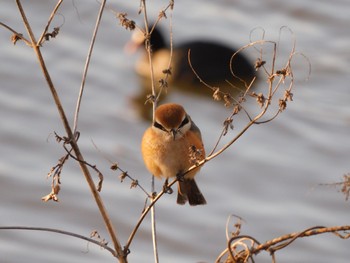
(168, 157)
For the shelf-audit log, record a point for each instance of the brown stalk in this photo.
(119, 251)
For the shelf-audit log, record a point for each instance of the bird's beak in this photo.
(173, 132)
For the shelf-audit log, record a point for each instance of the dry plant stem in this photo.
(280, 242)
(253, 121)
(63, 232)
(84, 168)
(154, 234)
(154, 200)
(154, 228)
(289, 238)
(20, 36)
(87, 63)
(171, 50)
(148, 49)
(211, 156)
(146, 211)
(154, 105)
(49, 22)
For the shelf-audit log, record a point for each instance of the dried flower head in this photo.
(228, 100)
(122, 176)
(217, 94)
(15, 38)
(282, 104)
(260, 98)
(125, 22)
(134, 184)
(288, 96)
(228, 123)
(259, 63)
(114, 166)
(196, 155)
(346, 186)
(163, 83)
(162, 14)
(167, 71)
(150, 98)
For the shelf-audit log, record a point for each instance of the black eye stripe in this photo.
(159, 126)
(184, 122)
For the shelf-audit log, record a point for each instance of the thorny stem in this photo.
(119, 251)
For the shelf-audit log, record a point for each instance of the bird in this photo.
(170, 147)
(210, 59)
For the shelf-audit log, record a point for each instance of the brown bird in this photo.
(171, 146)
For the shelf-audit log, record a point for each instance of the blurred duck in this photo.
(210, 59)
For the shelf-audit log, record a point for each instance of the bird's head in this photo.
(172, 121)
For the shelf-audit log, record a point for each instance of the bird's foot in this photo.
(180, 177)
(167, 189)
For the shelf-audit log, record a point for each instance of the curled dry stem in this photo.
(273, 245)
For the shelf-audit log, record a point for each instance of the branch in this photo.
(145, 212)
(62, 232)
(53, 13)
(16, 36)
(272, 246)
(87, 63)
(73, 143)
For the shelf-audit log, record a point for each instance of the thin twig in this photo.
(62, 232)
(18, 35)
(317, 230)
(276, 244)
(155, 98)
(146, 211)
(154, 232)
(53, 13)
(149, 51)
(168, 71)
(86, 67)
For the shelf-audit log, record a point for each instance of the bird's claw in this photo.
(167, 189)
(180, 177)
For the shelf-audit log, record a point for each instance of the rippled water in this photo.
(269, 177)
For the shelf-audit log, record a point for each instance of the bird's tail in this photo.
(189, 191)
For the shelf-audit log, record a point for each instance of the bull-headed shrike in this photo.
(171, 146)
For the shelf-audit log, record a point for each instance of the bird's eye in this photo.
(184, 122)
(159, 126)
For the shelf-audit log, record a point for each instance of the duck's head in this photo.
(138, 39)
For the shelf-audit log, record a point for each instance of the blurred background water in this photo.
(270, 177)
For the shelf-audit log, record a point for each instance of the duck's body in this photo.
(210, 60)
